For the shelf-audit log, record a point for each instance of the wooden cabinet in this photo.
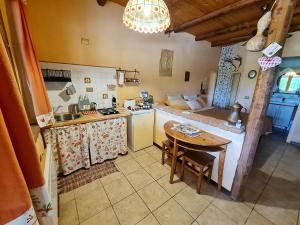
(281, 114)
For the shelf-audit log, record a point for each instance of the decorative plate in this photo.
(252, 74)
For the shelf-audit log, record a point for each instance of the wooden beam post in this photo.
(220, 12)
(279, 27)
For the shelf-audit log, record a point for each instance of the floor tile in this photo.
(135, 154)
(153, 195)
(195, 223)
(257, 219)
(88, 188)
(112, 177)
(68, 214)
(191, 201)
(156, 170)
(139, 179)
(66, 197)
(149, 220)
(171, 213)
(106, 217)
(208, 191)
(214, 216)
(122, 158)
(89, 204)
(131, 210)
(237, 211)
(128, 166)
(280, 207)
(155, 153)
(118, 189)
(145, 160)
(174, 188)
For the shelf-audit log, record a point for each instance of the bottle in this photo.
(238, 124)
(114, 102)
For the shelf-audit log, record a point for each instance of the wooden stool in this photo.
(167, 148)
(200, 163)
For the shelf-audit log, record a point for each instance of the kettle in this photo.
(93, 105)
(235, 114)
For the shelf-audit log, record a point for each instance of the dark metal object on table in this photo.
(93, 105)
(235, 114)
(66, 117)
(108, 111)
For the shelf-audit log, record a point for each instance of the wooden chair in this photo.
(198, 163)
(167, 148)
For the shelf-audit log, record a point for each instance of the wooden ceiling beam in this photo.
(212, 15)
(230, 41)
(227, 30)
(251, 26)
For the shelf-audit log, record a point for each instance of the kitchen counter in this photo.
(90, 118)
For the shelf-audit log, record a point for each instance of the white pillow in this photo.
(190, 97)
(178, 104)
(194, 104)
(174, 97)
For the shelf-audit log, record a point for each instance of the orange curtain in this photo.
(20, 172)
(31, 67)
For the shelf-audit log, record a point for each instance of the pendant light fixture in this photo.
(146, 16)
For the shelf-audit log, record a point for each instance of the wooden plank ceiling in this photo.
(220, 22)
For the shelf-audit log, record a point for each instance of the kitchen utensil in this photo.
(93, 106)
(235, 114)
(74, 108)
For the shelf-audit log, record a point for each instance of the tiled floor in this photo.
(141, 194)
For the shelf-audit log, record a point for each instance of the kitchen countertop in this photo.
(90, 118)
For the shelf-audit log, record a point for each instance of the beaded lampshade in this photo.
(146, 16)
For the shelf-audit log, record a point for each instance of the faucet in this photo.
(55, 109)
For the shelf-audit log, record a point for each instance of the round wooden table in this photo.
(205, 142)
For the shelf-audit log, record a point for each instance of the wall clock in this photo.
(252, 74)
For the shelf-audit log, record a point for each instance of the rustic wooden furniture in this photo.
(205, 142)
(220, 22)
(167, 148)
(198, 163)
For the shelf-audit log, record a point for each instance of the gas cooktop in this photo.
(108, 111)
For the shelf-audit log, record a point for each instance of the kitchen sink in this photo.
(66, 117)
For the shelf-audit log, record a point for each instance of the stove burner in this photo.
(108, 111)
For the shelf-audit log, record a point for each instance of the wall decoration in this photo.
(272, 49)
(187, 76)
(267, 63)
(252, 74)
(87, 80)
(236, 62)
(224, 80)
(89, 89)
(105, 96)
(166, 63)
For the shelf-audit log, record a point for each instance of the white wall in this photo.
(57, 27)
(100, 77)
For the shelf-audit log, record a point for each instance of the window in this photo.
(289, 82)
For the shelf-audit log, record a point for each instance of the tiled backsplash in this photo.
(100, 77)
